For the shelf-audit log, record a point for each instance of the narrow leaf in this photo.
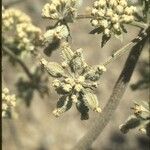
(96, 31)
(105, 39)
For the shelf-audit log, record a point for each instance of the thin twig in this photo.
(11, 54)
(124, 49)
(119, 89)
(117, 54)
(134, 23)
(139, 24)
(84, 16)
(88, 16)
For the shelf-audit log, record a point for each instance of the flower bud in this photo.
(81, 79)
(123, 3)
(96, 4)
(74, 98)
(67, 87)
(119, 9)
(115, 18)
(104, 23)
(116, 26)
(107, 32)
(102, 3)
(78, 87)
(56, 83)
(109, 12)
(94, 11)
(94, 22)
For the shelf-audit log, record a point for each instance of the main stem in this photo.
(119, 89)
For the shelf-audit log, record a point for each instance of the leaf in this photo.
(123, 29)
(63, 105)
(67, 53)
(96, 31)
(105, 39)
(94, 73)
(50, 47)
(54, 69)
(64, 101)
(76, 64)
(91, 101)
(132, 122)
(83, 109)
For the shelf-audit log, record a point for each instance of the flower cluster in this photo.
(65, 10)
(75, 82)
(110, 15)
(27, 36)
(56, 34)
(23, 35)
(11, 17)
(8, 103)
(140, 119)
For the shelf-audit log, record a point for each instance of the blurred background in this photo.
(37, 129)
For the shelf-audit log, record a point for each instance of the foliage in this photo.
(74, 80)
(140, 119)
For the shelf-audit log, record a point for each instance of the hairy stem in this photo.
(119, 89)
(22, 64)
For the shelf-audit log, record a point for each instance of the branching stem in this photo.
(119, 89)
(22, 64)
(123, 50)
(134, 23)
